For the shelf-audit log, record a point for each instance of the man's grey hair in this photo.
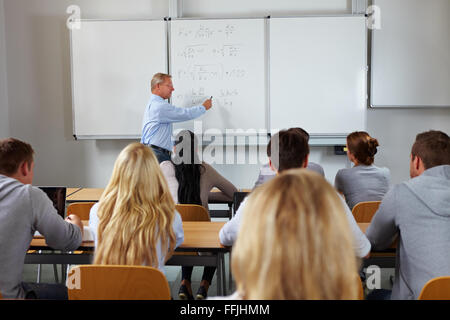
(159, 78)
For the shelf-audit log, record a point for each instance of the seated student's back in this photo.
(417, 211)
(364, 181)
(25, 209)
(135, 221)
(295, 242)
(190, 182)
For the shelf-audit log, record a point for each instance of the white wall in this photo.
(39, 89)
(38, 65)
(4, 117)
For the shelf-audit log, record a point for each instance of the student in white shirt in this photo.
(289, 149)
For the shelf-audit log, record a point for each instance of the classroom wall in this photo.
(4, 118)
(39, 89)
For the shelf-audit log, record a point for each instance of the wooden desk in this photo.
(383, 259)
(198, 236)
(85, 195)
(70, 191)
(94, 194)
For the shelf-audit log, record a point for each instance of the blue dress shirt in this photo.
(158, 118)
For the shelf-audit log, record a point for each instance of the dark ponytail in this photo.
(188, 169)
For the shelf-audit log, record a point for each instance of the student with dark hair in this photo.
(289, 149)
(266, 173)
(364, 181)
(25, 209)
(190, 182)
(418, 212)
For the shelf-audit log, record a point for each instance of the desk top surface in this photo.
(94, 194)
(197, 235)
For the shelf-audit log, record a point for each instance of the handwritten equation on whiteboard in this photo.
(209, 62)
(198, 96)
(210, 72)
(198, 51)
(206, 32)
(224, 59)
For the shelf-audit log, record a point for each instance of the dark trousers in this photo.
(208, 273)
(160, 155)
(46, 291)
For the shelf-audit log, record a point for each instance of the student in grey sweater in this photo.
(363, 182)
(418, 212)
(25, 209)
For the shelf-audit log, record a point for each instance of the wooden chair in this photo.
(436, 289)
(360, 289)
(81, 209)
(364, 211)
(106, 282)
(192, 212)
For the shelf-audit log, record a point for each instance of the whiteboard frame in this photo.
(266, 73)
(315, 139)
(371, 37)
(102, 137)
(331, 139)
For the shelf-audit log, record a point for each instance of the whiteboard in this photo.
(226, 59)
(112, 66)
(318, 74)
(411, 54)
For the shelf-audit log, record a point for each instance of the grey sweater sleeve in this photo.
(383, 228)
(59, 234)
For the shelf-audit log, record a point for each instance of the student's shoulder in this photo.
(208, 169)
(344, 172)
(167, 166)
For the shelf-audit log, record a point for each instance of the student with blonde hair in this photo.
(364, 181)
(135, 221)
(295, 242)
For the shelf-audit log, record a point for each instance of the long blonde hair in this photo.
(135, 211)
(295, 242)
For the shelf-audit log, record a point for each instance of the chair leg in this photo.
(55, 272)
(38, 280)
(230, 276)
(224, 280)
(219, 275)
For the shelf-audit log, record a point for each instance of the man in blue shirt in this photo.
(160, 115)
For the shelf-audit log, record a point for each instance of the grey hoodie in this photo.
(23, 210)
(419, 211)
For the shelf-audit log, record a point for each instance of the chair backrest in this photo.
(81, 209)
(192, 212)
(436, 289)
(364, 211)
(238, 197)
(106, 282)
